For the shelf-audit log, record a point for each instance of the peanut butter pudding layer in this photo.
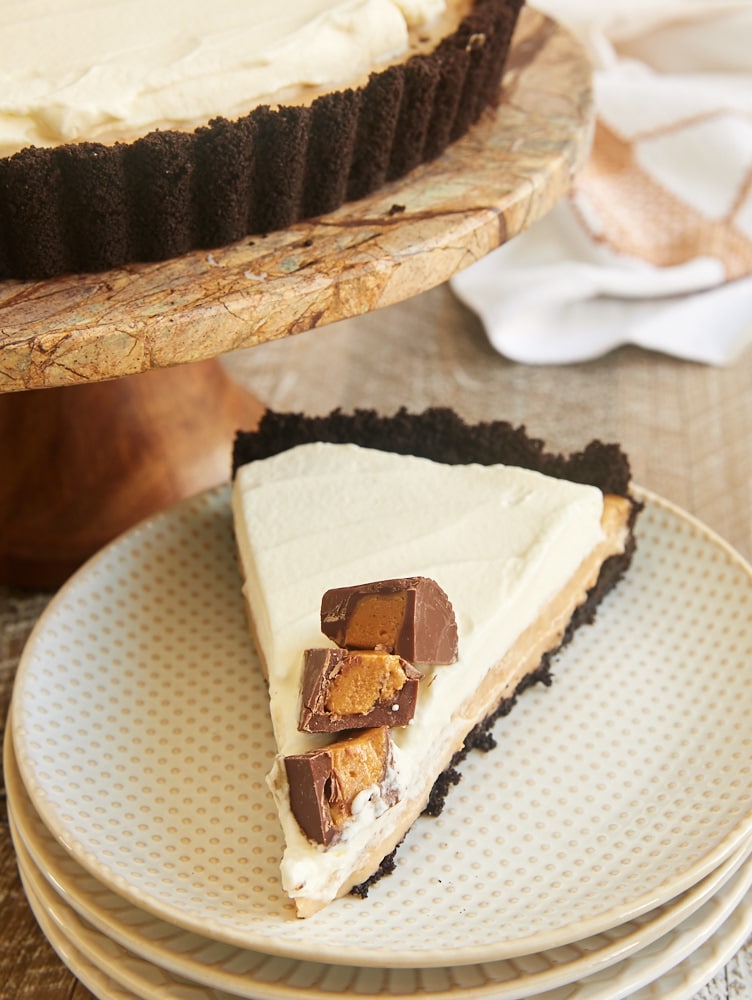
(405, 578)
(156, 129)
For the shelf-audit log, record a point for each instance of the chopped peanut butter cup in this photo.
(324, 783)
(356, 690)
(412, 617)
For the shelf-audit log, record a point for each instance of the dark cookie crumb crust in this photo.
(91, 206)
(440, 434)
(443, 436)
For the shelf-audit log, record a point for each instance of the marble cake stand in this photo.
(95, 451)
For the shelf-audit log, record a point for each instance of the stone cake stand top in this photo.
(410, 236)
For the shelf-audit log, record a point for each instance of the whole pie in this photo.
(137, 131)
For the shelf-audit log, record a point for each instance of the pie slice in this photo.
(521, 544)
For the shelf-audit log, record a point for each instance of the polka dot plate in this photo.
(118, 936)
(672, 968)
(141, 729)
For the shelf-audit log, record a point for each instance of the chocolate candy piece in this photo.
(412, 617)
(344, 689)
(325, 782)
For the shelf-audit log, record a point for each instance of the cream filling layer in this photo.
(501, 541)
(90, 69)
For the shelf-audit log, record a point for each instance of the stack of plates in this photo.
(604, 849)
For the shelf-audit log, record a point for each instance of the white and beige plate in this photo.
(672, 968)
(141, 729)
(256, 976)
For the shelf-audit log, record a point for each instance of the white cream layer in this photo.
(501, 541)
(115, 69)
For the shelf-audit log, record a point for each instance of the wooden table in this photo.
(687, 428)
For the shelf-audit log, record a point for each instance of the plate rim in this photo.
(723, 933)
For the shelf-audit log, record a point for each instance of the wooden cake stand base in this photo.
(90, 460)
(94, 452)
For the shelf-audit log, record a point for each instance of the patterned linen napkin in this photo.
(654, 244)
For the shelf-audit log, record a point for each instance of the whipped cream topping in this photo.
(501, 541)
(90, 69)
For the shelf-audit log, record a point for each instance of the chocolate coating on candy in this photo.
(410, 616)
(307, 776)
(344, 689)
(325, 782)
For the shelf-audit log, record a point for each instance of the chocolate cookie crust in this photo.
(441, 435)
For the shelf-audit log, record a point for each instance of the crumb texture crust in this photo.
(439, 434)
(91, 207)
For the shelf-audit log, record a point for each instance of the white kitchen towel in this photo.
(654, 244)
